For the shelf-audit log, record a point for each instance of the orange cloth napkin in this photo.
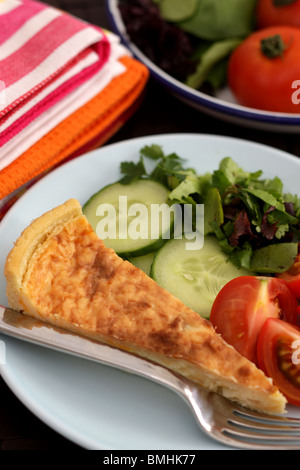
(87, 128)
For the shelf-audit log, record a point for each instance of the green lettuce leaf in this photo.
(217, 52)
(221, 19)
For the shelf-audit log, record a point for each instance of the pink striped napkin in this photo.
(45, 54)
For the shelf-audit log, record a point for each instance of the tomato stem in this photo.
(283, 3)
(273, 46)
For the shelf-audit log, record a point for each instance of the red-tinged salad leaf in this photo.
(256, 224)
(166, 45)
(268, 229)
(241, 228)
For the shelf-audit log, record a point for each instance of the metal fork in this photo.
(219, 418)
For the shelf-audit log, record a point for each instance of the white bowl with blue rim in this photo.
(222, 106)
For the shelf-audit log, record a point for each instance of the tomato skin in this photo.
(287, 302)
(242, 307)
(292, 277)
(278, 355)
(294, 284)
(267, 14)
(266, 83)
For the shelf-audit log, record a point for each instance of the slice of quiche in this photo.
(61, 272)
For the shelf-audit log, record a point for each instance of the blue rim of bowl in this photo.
(186, 93)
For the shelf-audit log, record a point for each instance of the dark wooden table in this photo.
(159, 113)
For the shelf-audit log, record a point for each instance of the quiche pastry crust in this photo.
(61, 272)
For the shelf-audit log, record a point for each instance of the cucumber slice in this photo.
(121, 216)
(177, 10)
(143, 262)
(194, 277)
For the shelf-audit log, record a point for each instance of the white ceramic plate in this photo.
(222, 106)
(96, 406)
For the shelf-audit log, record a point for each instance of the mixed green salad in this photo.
(251, 226)
(192, 39)
(256, 224)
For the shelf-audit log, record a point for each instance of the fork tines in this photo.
(249, 429)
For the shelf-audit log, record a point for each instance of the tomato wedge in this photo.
(243, 305)
(278, 355)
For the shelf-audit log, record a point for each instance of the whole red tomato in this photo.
(278, 12)
(264, 71)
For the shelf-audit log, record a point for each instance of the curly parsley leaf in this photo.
(168, 169)
(132, 171)
(154, 152)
